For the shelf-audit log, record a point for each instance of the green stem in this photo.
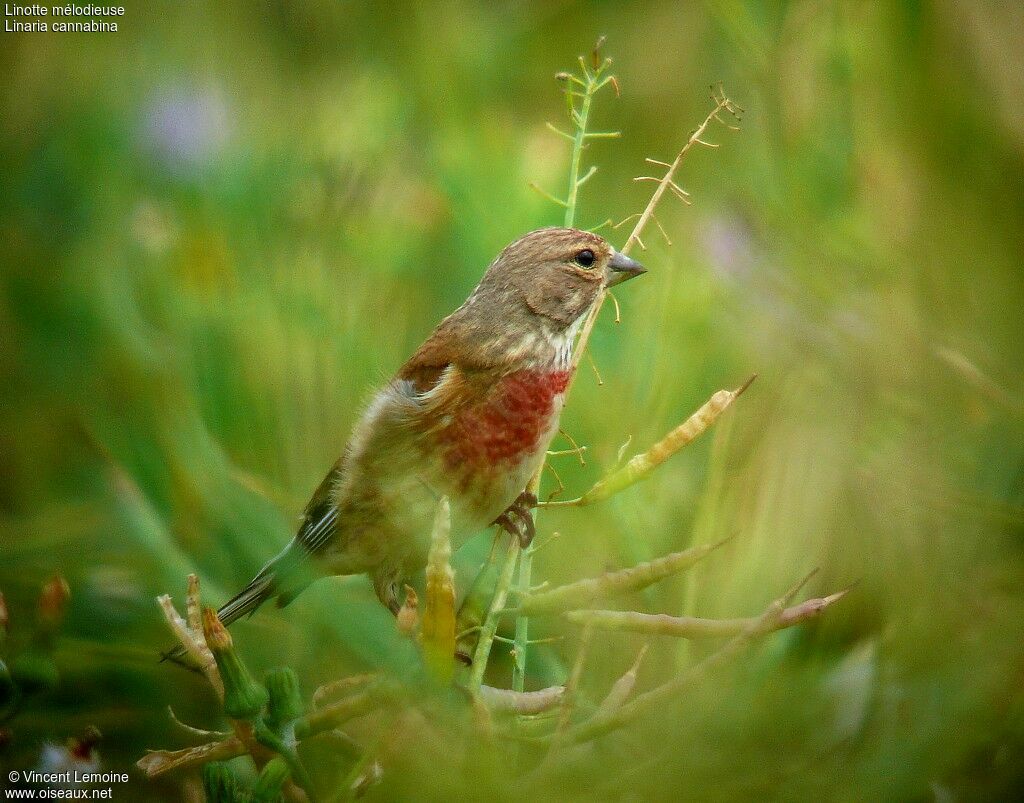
(490, 625)
(523, 583)
(592, 82)
(524, 577)
(577, 153)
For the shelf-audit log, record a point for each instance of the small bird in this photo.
(469, 416)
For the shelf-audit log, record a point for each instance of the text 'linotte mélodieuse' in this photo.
(65, 18)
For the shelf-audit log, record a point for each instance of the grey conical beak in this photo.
(621, 268)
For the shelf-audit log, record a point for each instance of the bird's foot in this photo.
(517, 520)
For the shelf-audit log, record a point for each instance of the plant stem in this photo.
(524, 576)
(523, 583)
(490, 625)
(577, 152)
(666, 180)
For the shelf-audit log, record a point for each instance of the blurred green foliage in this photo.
(223, 225)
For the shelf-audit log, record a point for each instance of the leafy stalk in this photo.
(592, 81)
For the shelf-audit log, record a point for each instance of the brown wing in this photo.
(441, 349)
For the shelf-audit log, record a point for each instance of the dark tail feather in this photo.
(249, 598)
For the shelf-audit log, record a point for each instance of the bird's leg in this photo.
(517, 521)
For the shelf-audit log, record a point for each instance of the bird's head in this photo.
(557, 273)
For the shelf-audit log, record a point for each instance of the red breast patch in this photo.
(505, 425)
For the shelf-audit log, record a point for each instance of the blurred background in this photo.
(225, 224)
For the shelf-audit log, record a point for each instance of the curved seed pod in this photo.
(521, 702)
(643, 464)
(438, 627)
(343, 687)
(271, 781)
(623, 687)
(603, 722)
(696, 627)
(621, 582)
(157, 762)
(376, 694)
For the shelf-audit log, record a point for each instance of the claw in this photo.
(517, 521)
(528, 531)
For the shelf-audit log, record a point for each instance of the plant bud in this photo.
(221, 784)
(53, 600)
(244, 698)
(272, 779)
(285, 704)
(81, 747)
(34, 671)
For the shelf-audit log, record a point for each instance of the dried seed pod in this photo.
(623, 581)
(696, 627)
(643, 464)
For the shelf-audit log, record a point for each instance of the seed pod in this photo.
(285, 698)
(438, 630)
(244, 698)
(624, 581)
(623, 687)
(643, 464)
(693, 627)
(521, 702)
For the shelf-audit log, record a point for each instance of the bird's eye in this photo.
(585, 258)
